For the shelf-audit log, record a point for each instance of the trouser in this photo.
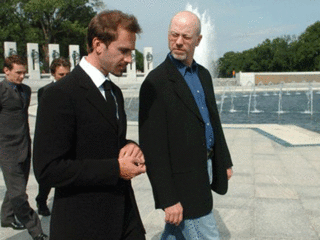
(202, 228)
(15, 203)
(132, 228)
(43, 194)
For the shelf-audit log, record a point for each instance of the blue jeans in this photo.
(202, 228)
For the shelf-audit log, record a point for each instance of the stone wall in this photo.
(277, 78)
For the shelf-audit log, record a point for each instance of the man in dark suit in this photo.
(80, 144)
(60, 67)
(15, 149)
(181, 136)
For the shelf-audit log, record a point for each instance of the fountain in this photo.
(204, 53)
(254, 94)
(309, 94)
(267, 103)
(233, 96)
(223, 96)
(280, 111)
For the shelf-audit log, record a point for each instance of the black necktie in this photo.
(112, 109)
(21, 93)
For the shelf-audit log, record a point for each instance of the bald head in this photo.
(184, 36)
(189, 18)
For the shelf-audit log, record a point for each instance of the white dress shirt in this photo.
(97, 78)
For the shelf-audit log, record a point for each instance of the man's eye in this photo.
(125, 51)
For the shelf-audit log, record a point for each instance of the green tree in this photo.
(281, 60)
(286, 53)
(61, 20)
(14, 26)
(47, 21)
(307, 49)
(227, 63)
(139, 60)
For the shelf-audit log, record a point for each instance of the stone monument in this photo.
(132, 67)
(10, 48)
(147, 59)
(74, 55)
(33, 61)
(54, 52)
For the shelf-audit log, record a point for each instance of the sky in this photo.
(238, 25)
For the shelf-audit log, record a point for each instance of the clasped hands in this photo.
(131, 161)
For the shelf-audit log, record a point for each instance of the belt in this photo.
(210, 153)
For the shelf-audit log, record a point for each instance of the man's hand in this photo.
(174, 214)
(131, 167)
(229, 173)
(131, 161)
(131, 149)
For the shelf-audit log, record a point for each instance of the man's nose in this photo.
(179, 41)
(128, 58)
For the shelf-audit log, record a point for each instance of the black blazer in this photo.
(172, 137)
(41, 90)
(76, 148)
(15, 143)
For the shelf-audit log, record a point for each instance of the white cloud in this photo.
(266, 32)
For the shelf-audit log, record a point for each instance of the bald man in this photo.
(182, 138)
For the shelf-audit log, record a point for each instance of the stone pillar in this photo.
(33, 61)
(10, 48)
(54, 52)
(132, 67)
(147, 59)
(74, 55)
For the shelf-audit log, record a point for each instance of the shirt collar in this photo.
(183, 68)
(96, 76)
(11, 84)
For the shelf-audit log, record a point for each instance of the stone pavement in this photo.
(274, 193)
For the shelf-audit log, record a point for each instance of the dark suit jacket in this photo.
(41, 90)
(76, 148)
(14, 126)
(172, 137)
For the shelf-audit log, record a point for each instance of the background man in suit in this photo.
(80, 146)
(60, 67)
(182, 138)
(15, 149)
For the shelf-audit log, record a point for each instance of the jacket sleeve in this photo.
(54, 158)
(154, 143)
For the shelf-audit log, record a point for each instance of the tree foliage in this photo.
(139, 60)
(286, 53)
(46, 21)
(63, 22)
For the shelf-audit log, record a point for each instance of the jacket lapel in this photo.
(14, 93)
(122, 122)
(94, 96)
(181, 88)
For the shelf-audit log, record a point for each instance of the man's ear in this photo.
(6, 70)
(98, 45)
(199, 40)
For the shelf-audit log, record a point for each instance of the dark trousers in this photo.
(15, 203)
(43, 194)
(132, 228)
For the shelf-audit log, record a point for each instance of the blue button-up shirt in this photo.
(190, 75)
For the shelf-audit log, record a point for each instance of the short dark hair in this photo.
(61, 61)
(105, 25)
(14, 59)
